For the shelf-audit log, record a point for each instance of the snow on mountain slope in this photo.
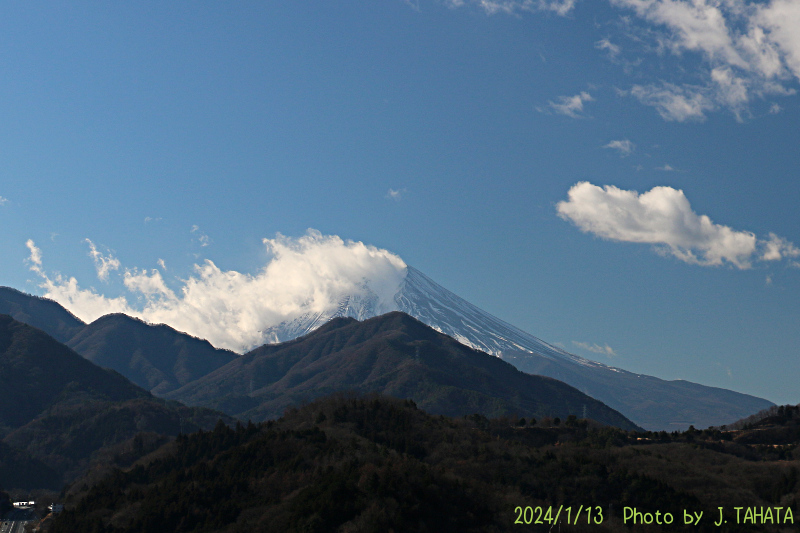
(429, 302)
(432, 304)
(651, 402)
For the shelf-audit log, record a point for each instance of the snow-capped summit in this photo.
(432, 304)
(429, 302)
(651, 402)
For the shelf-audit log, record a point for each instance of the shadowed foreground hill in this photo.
(393, 354)
(37, 371)
(58, 409)
(364, 464)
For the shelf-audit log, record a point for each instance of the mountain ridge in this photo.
(651, 402)
(59, 409)
(156, 357)
(393, 354)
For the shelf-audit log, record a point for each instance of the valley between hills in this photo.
(372, 425)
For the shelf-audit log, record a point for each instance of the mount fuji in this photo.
(653, 403)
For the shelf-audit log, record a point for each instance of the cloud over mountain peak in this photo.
(231, 309)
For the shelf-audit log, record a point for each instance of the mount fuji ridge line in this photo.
(651, 402)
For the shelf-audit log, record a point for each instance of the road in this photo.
(16, 520)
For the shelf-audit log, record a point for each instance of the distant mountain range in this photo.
(61, 411)
(651, 402)
(163, 361)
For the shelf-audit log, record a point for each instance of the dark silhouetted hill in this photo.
(367, 463)
(41, 313)
(155, 357)
(393, 354)
(60, 409)
(37, 371)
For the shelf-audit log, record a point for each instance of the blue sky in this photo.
(549, 161)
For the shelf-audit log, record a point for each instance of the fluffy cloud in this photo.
(662, 216)
(777, 248)
(571, 106)
(749, 49)
(624, 147)
(231, 309)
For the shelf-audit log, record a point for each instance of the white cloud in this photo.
(675, 103)
(561, 7)
(666, 168)
(231, 309)
(162, 264)
(201, 237)
(612, 49)
(511, 7)
(395, 194)
(596, 348)
(3, 201)
(662, 216)
(35, 257)
(66, 292)
(624, 147)
(571, 106)
(103, 263)
(748, 49)
(777, 248)
(780, 19)
(774, 109)
(697, 25)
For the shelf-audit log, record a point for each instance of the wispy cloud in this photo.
(596, 348)
(675, 103)
(35, 257)
(3, 201)
(612, 49)
(102, 263)
(663, 216)
(200, 237)
(623, 147)
(749, 50)
(666, 168)
(776, 248)
(511, 7)
(305, 275)
(746, 50)
(571, 106)
(395, 194)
